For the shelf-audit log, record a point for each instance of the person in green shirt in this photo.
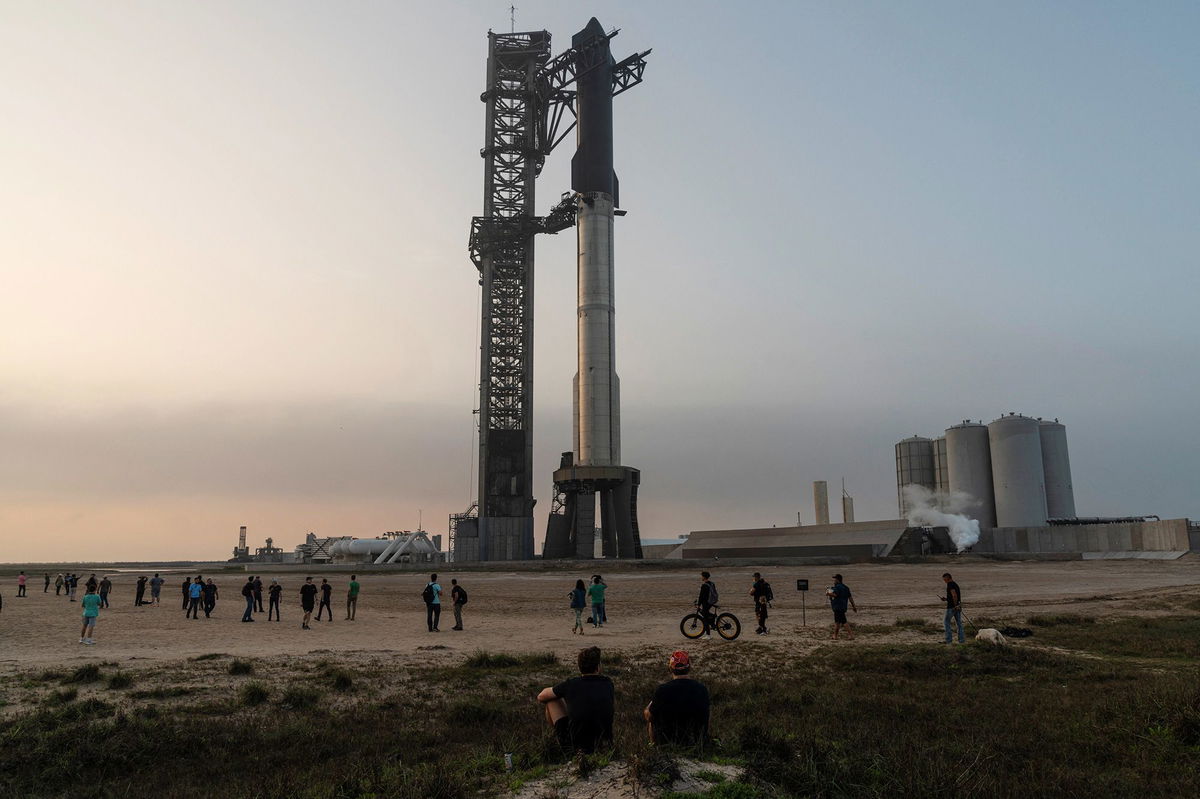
(596, 594)
(352, 597)
(91, 611)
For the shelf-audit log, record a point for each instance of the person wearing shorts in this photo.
(581, 709)
(839, 598)
(91, 612)
(308, 600)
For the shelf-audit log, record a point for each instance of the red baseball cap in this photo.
(679, 660)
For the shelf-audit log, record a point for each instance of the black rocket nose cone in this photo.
(590, 31)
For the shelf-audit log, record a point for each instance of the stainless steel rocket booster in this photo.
(594, 470)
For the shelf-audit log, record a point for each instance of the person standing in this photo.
(91, 612)
(195, 593)
(326, 599)
(839, 598)
(705, 601)
(58, 584)
(458, 598)
(187, 591)
(679, 712)
(308, 599)
(210, 597)
(92, 583)
(581, 709)
(74, 585)
(47, 588)
(156, 584)
(953, 600)
(596, 594)
(273, 594)
(258, 592)
(760, 591)
(248, 595)
(21, 584)
(578, 604)
(140, 591)
(433, 603)
(604, 605)
(105, 590)
(352, 597)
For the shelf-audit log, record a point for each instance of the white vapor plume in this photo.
(926, 508)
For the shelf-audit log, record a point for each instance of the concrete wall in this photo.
(856, 541)
(1168, 535)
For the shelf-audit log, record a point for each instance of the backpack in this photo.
(767, 593)
(713, 596)
(462, 595)
(427, 594)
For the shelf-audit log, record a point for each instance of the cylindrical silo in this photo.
(1018, 478)
(914, 466)
(1060, 494)
(821, 501)
(969, 470)
(941, 477)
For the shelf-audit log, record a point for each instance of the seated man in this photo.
(581, 709)
(678, 713)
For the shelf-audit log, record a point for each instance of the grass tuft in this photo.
(118, 681)
(238, 667)
(253, 693)
(84, 674)
(299, 697)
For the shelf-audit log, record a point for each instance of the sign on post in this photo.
(802, 586)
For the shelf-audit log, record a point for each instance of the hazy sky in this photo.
(235, 287)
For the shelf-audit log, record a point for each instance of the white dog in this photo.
(992, 636)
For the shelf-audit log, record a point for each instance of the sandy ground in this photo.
(528, 611)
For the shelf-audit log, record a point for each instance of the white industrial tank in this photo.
(914, 466)
(969, 469)
(1018, 477)
(1056, 464)
(941, 477)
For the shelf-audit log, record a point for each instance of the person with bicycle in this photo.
(705, 603)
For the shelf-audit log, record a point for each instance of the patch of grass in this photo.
(724, 790)
(912, 623)
(482, 659)
(709, 776)
(60, 697)
(84, 674)
(210, 656)
(341, 680)
(1057, 620)
(253, 693)
(299, 697)
(118, 680)
(162, 692)
(1169, 637)
(239, 667)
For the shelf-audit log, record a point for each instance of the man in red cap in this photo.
(678, 713)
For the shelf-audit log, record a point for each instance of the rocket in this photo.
(597, 389)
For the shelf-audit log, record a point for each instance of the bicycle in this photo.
(725, 624)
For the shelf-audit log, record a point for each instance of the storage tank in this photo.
(941, 479)
(969, 469)
(1056, 464)
(914, 466)
(1018, 478)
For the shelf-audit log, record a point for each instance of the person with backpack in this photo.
(596, 594)
(705, 602)
(432, 596)
(458, 596)
(578, 604)
(248, 595)
(352, 597)
(139, 591)
(763, 596)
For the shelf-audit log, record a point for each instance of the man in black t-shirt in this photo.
(308, 598)
(953, 600)
(326, 599)
(759, 592)
(678, 713)
(581, 709)
(248, 595)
